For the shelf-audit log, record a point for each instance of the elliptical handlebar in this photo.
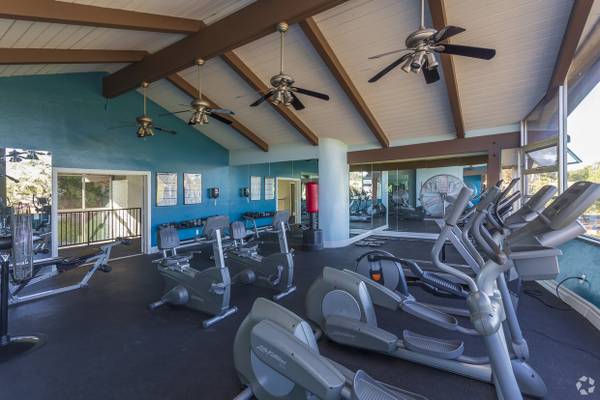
(458, 209)
(491, 196)
(459, 205)
(496, 214)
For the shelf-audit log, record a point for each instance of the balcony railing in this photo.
(93, 226)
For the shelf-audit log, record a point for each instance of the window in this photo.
(97, 191)
(70, 192)
(583, 123)
(79, 192)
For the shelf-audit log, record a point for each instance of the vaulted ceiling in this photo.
(328, 53)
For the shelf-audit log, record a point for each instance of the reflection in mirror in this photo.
(26, 182)
(360, 195)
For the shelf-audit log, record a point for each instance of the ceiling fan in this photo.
(282, 90)
(145, 125)
(20, 155)
(201, 109)
(421, 46)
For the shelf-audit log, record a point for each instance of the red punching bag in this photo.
(312, 238)
(312, 197)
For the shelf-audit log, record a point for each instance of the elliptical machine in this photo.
(275, 271)
(342, 304)
(208, 290)
(277, 358)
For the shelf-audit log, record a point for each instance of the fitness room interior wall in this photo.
(73, 105)
(84, 131)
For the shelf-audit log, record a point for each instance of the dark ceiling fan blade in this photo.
(296, 103)
(312, 93)
(220, 119)
(221, 111)
(469, 51)
(447, 32)
(431, 75)
(165, 130)
(260, 100)
(389, 68)
(175, 112)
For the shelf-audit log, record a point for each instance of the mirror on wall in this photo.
(368, 198)
(26, 182)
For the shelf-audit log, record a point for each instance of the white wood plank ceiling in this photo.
(526, 33)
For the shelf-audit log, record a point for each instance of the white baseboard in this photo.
(579, 304)
(410, 235)
(347, 242)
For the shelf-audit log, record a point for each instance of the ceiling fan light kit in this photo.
(282, 90)
(421, 46)
(144, 124)
(200, 108)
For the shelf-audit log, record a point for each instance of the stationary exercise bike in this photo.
(277, 358)
(275, 271)
(207, 290)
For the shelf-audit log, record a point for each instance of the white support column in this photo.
(384, 194)
(334, 214)
(562, 139)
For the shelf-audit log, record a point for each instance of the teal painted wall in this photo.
(239, 177)
(581, 257)
(67, 115)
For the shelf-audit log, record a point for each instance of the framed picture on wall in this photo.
(269, 188)
(255, 187)
(166, 189)
(192, 188)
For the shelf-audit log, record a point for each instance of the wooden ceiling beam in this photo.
(244, 26)
(60, 56)
(579, 15)
(317, 39)
(183, 85)
(476, 144)
(580, 12)
(438, 15)
(425, 163)
(260, 87)
(80, 14)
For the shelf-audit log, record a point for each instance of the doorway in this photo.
(288, 198)
(93, 207)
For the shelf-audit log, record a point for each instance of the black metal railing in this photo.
(86, 227)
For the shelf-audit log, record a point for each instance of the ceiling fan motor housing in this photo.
(281, 95)
(281, 81)
(199, 104)
(419, 37)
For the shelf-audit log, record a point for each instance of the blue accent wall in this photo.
(581, 257)
(67, 115)
(239, 177)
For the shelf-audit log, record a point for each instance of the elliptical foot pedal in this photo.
(441, 348)
(365, 387)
